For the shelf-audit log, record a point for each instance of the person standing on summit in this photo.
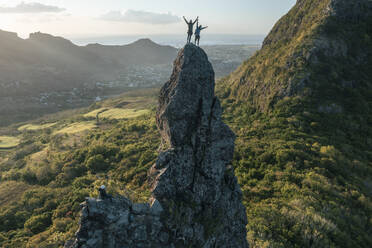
(197, 32)
(191, 28)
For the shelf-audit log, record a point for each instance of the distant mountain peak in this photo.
(7, 34)
(40, 35)
(145, 42)
(49, 39)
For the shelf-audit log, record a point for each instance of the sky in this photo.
(87, 18)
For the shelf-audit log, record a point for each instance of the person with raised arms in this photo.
(190, 28)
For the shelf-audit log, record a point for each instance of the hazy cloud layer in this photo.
(30, 8)
(141, 17)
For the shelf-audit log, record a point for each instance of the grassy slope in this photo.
(8, 142)
(116, 113)
(34, 127)
(265, 76)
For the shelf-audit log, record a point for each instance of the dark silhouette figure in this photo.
(102, 192)
(191, 28)
(197, 32)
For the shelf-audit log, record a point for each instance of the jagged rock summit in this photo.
(196, 200)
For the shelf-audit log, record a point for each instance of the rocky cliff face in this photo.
(196, 200)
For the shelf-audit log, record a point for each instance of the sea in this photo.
(173, 40)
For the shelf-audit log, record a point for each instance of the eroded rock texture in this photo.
(196, 200)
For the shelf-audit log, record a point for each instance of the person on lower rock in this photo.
(102, 192)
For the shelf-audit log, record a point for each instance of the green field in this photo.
(7, 142)
(117, 113)
(77, 127)
(35, 127)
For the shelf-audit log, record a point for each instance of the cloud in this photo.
(30, 8)
(141, 17)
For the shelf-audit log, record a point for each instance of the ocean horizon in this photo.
(176, 40)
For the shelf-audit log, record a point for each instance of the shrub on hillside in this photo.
(97, 163)
(38, 223)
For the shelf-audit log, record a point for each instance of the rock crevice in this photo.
(196, 200)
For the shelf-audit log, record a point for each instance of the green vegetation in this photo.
(44, 180)
(8, 142)
(301, 108)
(304, 176)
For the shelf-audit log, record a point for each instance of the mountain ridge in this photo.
(61, 56)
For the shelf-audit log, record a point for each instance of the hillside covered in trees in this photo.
(301, 107)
